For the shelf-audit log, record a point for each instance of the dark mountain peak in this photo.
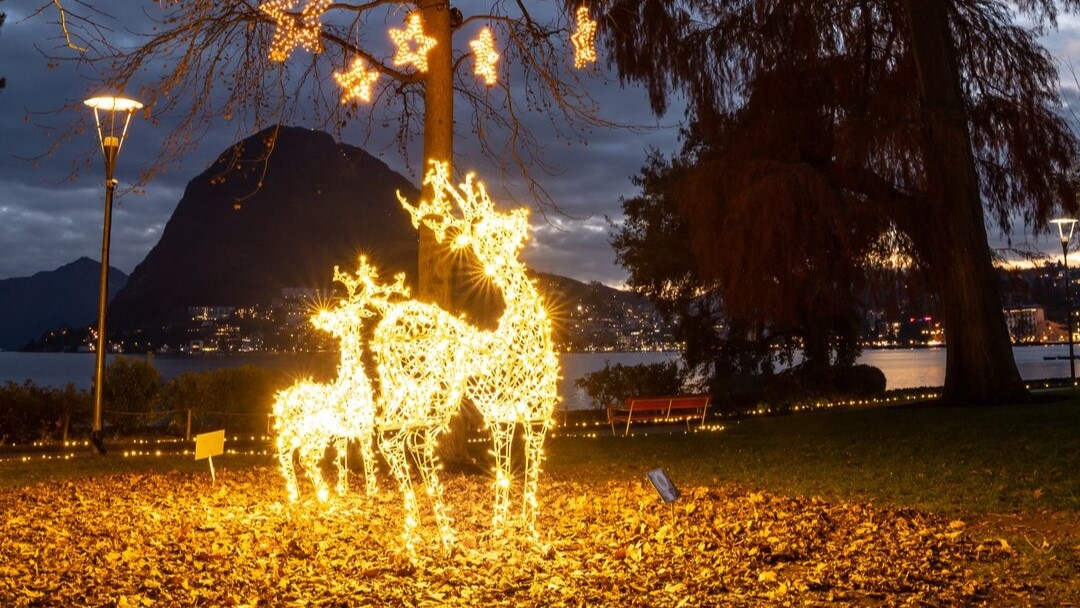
(80, 266)
(278, 209)
(30, 306)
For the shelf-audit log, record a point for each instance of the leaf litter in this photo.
(175, 538)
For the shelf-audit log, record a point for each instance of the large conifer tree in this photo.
(863, 116)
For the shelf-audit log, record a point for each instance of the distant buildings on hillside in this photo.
(596, 320)
(286, 326)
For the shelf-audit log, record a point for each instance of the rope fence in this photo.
(216, 418)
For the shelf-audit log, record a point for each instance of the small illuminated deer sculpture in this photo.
(312, 416)
(513, 370)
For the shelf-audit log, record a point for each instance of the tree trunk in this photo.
(434, 270)
(950, 229)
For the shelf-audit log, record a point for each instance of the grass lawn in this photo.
(1023, 458)
(891, 506)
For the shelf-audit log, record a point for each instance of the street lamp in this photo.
(1065, 228)
(111, 116)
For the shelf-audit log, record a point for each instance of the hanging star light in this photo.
(356, 81)
(486, 57)
(412, 44)
(584, 39)
(295, 30)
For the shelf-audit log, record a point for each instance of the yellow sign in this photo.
(209, 444)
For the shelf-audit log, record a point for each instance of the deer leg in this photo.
(367, 452)
(341, 446)
(310, 455)
(422, 445)
(392, 445)
(502, 435)
(285, 457)
(534, 456)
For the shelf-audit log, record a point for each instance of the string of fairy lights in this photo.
(357, 82)
(483, 48)
(301, 28)
(311, 417)
(413, 45)
(262, 445)
(584, 38)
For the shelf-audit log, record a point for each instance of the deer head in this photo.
(496, 238)
(365, 298)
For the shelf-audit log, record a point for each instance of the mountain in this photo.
(67, 296)
(279, 209)
(591, 316)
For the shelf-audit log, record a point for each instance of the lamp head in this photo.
(110, 132)
(1065, 227)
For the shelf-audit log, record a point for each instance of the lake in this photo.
(903, 368)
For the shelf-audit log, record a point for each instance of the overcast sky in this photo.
(48, 220)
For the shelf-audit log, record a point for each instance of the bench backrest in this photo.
(667, 404)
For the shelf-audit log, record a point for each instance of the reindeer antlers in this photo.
(365, 291)
(470, 196)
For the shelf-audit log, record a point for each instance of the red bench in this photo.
(682, 408)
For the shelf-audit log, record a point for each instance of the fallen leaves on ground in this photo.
(177, 539)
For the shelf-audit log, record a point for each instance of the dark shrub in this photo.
(614, 384)
(800, 386)
(860, 381)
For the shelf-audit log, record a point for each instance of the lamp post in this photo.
(1065, 228)
(112, 115)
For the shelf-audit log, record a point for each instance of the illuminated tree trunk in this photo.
(979, 364)
(434, 268)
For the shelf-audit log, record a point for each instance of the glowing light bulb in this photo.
(584, 38)
(484, 49)
(357, 81)
(412, 44)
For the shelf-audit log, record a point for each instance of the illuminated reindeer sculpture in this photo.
(513, 370)
(312, 416)
(422, 353)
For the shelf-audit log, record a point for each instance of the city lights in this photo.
(412, 44)
(295, 30)
(484, 49)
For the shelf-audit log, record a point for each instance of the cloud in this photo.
(51, 191)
